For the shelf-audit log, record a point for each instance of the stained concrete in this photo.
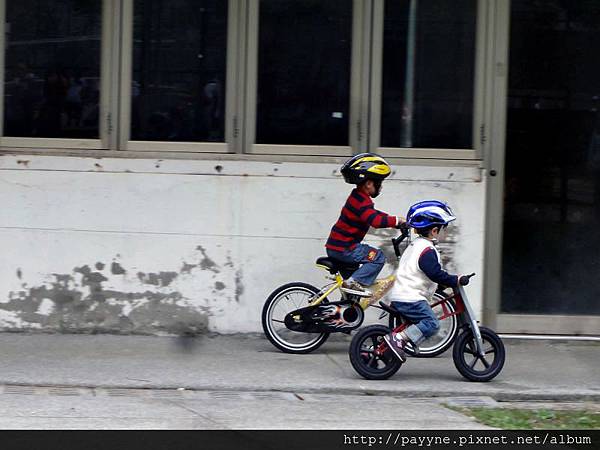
(80, 302)
(187, 218)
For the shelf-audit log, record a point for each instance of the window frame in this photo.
(107, 41)
(357, 92)
(235, 36)
(478, 127)
(241, 91)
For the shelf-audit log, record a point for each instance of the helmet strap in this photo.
(377, 184)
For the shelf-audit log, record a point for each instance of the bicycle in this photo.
(371, 357)
(298, 317)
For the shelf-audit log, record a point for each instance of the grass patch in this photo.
(524, 419)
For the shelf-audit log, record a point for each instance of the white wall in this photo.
(151, 246)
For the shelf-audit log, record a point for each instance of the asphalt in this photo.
(534, 371)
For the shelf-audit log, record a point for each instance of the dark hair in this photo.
(425, 231)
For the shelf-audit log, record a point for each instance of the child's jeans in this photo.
(425, 322)
(372, 260)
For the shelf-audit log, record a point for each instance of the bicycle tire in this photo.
(465, 345)
(278, 341)
(431, 351)
(363, 362)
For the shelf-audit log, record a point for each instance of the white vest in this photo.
(412, 285)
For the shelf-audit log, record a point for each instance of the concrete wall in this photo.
(173, 246)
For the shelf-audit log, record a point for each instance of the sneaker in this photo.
(396, 345)
(354, 287)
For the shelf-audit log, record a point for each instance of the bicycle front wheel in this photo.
(467, 360)
(282, 301)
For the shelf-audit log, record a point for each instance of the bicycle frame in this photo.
(338, 280)
(462, 307)
(336, 285)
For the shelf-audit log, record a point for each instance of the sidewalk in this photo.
(534, 370)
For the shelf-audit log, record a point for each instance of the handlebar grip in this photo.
(464, 279)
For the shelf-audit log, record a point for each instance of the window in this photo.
(301, 77)
(428, 73)
(304, 61)
(552, 174)
(52, 69)
(178, 81)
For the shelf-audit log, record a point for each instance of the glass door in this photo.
(551, 250)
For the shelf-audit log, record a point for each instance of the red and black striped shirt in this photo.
(358, 214)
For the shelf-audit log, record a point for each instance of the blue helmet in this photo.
(429, 212)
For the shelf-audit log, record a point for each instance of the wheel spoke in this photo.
(296, 302)
(374, 340)
(372, 362)
(490, 350)
(473, 363)
(469, 351)
(484, 361)
(285, 303)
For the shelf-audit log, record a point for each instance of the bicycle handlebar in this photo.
(398, 240)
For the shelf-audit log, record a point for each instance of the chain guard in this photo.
(343, 316)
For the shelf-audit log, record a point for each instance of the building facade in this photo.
(165, 165)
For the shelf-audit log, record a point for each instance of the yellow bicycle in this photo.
(299, 317)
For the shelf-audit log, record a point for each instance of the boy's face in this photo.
(439, 234)
(373, 188)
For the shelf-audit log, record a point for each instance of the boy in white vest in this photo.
(418, 275)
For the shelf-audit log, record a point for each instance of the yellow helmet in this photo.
(365, 166)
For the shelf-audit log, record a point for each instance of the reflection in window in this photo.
(428, 73)
(304, 72)
(552, 177)
(179, 57)
(52, 73)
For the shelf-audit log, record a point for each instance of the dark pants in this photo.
(371, 258)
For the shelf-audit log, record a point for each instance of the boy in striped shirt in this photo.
(367, 171)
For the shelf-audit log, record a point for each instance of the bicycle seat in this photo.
(334, 266)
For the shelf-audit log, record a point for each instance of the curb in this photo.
(500, 396)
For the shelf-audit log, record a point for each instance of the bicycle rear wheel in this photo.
(442, 340)
(283, 300)
(366, 358)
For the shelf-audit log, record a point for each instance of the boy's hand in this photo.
(401, 223)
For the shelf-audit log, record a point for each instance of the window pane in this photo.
(179, 56)
(304, 72)
(551, 260)
(52, 74)
(427, 96)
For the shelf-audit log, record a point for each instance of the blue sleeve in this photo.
(429, 264)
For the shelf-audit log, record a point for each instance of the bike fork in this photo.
(472, 321)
